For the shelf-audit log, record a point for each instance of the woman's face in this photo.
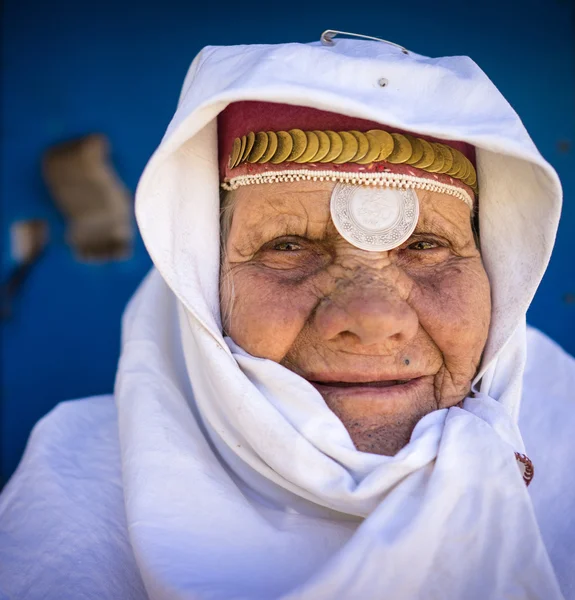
(385, 337)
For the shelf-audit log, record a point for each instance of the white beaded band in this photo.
(396, 180)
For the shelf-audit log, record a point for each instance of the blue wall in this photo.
(72, 68)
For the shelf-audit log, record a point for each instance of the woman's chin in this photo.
(380, 420)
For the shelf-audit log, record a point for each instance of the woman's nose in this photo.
(370, 315)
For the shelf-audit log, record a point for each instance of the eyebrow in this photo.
(438, 224)
(252, 236)
(298, 220)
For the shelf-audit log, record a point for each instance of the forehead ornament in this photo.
(374, 218)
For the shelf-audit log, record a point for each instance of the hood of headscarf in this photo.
(228, 459)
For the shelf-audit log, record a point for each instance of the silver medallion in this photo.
(374, 218)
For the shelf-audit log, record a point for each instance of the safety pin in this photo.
(328, 35)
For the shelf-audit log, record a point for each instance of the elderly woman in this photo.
(328, 408)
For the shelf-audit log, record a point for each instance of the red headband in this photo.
(240, 118)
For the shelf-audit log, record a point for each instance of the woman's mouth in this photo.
(362, 384)
(381, 388)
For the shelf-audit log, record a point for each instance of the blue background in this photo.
(71, 68)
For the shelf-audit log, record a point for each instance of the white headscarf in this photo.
(244, 484)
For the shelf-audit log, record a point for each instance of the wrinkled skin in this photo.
(386, 337)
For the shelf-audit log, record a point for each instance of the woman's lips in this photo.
(371, 384)
(380, 388)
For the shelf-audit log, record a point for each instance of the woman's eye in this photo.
(287, 246)
(423, 245)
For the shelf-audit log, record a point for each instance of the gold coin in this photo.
(401, 149)
(416, 148)
(471, 178)
(439, 161)
(363, 145)
(464, 171)
(242, 148)
(324, 145)
(250, 139)
(350, 148)
(335, 148)
(271, 147)
(385, 141)
(373, 152)
(447, 158)
(259, 147)
(428, 155)
(312, 147)
(235, 153)
(299, 144)
(285, 146)
(457, 162)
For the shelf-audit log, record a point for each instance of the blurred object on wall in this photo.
(93, 199)
(28, 239)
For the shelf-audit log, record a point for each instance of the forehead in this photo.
(261, 207)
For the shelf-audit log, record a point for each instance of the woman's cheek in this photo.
(267, 313)
(454, 308)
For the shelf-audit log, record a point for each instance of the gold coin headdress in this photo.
(264, 142)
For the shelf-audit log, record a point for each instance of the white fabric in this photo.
(245, 485)
(63, 533)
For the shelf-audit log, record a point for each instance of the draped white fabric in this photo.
(246, 485)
